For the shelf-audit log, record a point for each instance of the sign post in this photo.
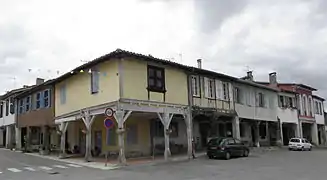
(108, 124)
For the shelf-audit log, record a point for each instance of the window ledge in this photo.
(156, 90)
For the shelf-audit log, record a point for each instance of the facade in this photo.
(213, 110)
(36, 130)
(307, 123)
(7, 118)
(142, 90)
(318, 108)
(256, 106)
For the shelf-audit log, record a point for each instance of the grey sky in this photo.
(289, 37)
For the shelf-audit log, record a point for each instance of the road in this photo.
(264, 166)
(19, 166)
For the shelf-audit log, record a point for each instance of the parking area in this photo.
(280, 164)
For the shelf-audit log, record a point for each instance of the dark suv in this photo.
(226, 148)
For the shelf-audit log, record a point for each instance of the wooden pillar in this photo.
(88, 121)
(165, 119)
(120, 118)
(188, 122)
(236, 127)
(63, 129)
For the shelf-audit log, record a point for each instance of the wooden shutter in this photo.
(206, 87)
(219, 89)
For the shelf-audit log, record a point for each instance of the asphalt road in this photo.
(263, 166)
(19, 166)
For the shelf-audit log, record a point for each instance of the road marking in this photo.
(60, 166)
(73, 165)
(29, 168)
(14, 170)
(45, 168)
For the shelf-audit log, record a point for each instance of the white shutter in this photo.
(218, 89)
(230, 90)
(206, 87)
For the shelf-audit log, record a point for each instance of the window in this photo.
(111, 137)
(281, 101)
(12, 106)
(230, 142)
(310, 107)
(63, 94)
(195, 86)
(237, 93)
(304, 105)
(38, 100)
(28, 103)
(46, 98)
(132, 134)
(1, 109)
(238, 142)
(209, 86)
(7, 107)
(320, 108)
(261, 100)
(290, 101)
(156, 79)
(21, 106)
(95, 75)
(225, 91)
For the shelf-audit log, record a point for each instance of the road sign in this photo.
(109, 112)
(108, 123)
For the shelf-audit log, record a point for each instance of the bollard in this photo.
(106, 163)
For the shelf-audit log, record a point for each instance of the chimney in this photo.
(199, 63)
(249, 76)
(273, 78)
(39, 81)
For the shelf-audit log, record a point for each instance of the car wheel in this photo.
(245, 153)
(227, 155)
(290, 149)
(210, 157)
(302, 149)
(310, 148)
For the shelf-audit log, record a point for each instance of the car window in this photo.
(237, 141)
(215, 141)
(295, 140)
(305, 141)
(230, 142)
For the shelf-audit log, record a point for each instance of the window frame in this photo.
(195, 84)
(156, 79)
(21, 106)
(261, 99)
(1, 109)
(95, 80)
(7, 107)
(46, 98)
(62, 94)
(237, 94)
(28, 100)
(225, 91)
(38, 100)
(211, 88)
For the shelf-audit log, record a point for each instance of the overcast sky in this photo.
(40, 37)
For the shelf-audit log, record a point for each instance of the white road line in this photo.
(29, 168)
(45, 168)
(60, 166)
(14, 170)
(73, 165)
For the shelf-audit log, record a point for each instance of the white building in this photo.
(8, 117)
(256, 106)
(318, 104)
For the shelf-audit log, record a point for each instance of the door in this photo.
(98, 142)
(239, 147)
(230, 146)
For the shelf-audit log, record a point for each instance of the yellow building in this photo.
(139, 89)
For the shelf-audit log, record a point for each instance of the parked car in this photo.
(299, 144)
(226, 148)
